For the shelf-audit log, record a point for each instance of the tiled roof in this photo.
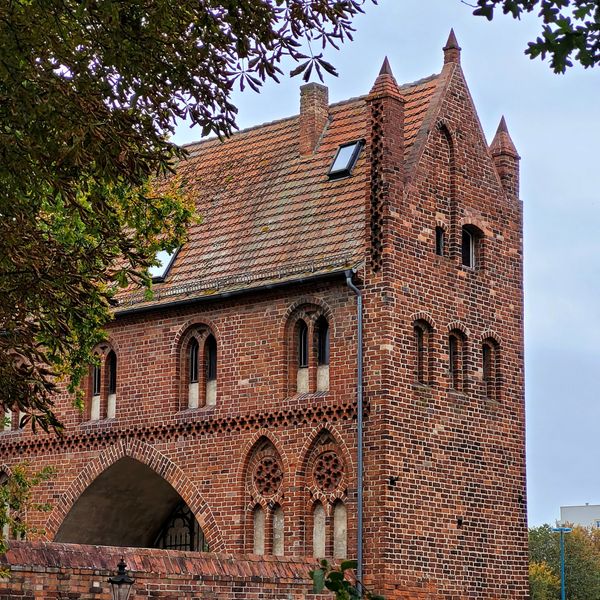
(269, 213)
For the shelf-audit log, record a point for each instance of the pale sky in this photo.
(554, 124)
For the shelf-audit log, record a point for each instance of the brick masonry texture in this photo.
(445, 505)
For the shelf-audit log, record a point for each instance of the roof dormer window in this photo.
(164, 260)
(345, 159)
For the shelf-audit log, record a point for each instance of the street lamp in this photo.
(120, 585)
(562, 531)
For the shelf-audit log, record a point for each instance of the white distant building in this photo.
(586, 515)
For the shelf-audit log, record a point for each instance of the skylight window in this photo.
(164, 259)
(345, 159)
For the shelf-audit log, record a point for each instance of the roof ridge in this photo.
(350, 100)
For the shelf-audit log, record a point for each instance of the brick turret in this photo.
(386, 145)
(506, 158)
(452, 49)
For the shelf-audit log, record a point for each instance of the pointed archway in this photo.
(131, 505)
(132, 482)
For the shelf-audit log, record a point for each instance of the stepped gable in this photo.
(270, 214)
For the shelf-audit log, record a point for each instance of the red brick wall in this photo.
(44, 571)
(444, 471)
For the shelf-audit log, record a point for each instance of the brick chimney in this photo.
(314, 113)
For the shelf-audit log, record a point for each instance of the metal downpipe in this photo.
(359, 432)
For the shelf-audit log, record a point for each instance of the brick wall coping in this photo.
(149, 562)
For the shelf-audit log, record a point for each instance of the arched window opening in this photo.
(258, 519)
(490, 369)
(471, 246)
(422, 349)
(440, 242)
(456, 360)
(322, 354)
(193, 351)
(96, 384)
(340, 530)
(210, 358)
(193, 358)
(111, 366)
(319, 534)
(278, 531)
(302, 350)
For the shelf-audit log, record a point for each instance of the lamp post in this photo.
(562, 531)
(121, 583)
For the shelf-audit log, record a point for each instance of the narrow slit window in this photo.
(323, 341)
(468, 248)
(111, 364)
(345, 159)
(420, 343)
(490, 369)
(302, 344)
(193, 361)
(211, 358)
(453, 359)
(439, 241)
(96, 380)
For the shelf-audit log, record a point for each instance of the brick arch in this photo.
(477, 222)
(423, 316)
(178, 351)
(459, 326)
(298, 304)
(185, 329)
(490, 334)
(161, 465)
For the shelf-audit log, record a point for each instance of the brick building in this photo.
(362, 254)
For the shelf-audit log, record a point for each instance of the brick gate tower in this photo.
(331, 366)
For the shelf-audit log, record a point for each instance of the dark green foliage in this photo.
(570, 28)
(340, 581)
(89, 93)
(16, 501)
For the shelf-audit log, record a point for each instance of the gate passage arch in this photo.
(144, 459)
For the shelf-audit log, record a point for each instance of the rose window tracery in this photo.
(267, 476)
(328, 471)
